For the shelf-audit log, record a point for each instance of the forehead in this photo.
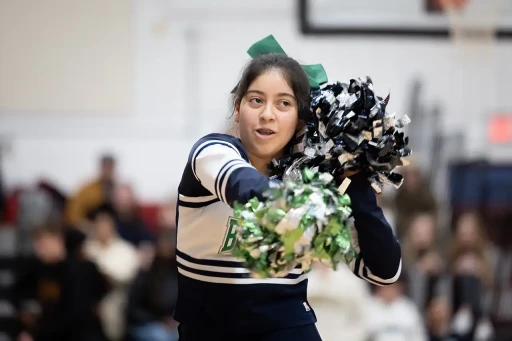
(271, 82)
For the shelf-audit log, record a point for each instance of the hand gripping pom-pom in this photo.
(349, 130)
(298, 222)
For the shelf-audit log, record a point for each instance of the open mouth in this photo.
(265, 132)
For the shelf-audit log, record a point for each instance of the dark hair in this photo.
(294, 74)
(107, 159)
(104, 209)
(47, 229)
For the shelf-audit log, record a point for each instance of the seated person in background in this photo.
(153, 295)
(340, 301)
(3, 201)
(501, 309)
(392, 316)
(412, 198)
(65, 290)
(91, 195)
(442, 326)
(422, 260)
(438, 318)
(129, 223)
(118, 261)
(167, 216)
(472, 260)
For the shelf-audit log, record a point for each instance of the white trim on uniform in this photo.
(227, 172)
(225, 269)
(222, 280)
(375, 279)
(200, 148)
(370, 277)
(197, 199)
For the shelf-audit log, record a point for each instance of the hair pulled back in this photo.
(291, 70)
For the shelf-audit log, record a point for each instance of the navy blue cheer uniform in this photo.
(217, 298)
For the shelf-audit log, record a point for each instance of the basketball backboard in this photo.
(413, 18)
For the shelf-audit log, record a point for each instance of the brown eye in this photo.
(285, 103)
(256, 100)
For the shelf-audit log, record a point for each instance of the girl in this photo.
(217, 298)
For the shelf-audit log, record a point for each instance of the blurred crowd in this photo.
(90, 266)
(93, 267)
(456, 284)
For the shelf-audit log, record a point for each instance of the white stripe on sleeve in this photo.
(212, 164)
(227, 148)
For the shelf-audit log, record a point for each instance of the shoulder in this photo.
(210, 154)
(218, 140)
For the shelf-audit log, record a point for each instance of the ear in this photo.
(236, 114)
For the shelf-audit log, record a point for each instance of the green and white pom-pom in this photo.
(298, 223)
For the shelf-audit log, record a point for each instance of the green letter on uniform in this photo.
(230, 239)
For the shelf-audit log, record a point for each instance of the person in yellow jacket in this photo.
(92, 194)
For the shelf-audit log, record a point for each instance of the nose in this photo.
(268, 113)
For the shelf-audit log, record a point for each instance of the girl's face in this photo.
(124, 199)
(422, 231)
(267, 116)
(467, 232)
(104, 228)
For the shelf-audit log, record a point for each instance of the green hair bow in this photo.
(316, 72)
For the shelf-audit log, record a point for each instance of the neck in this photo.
(260, 164)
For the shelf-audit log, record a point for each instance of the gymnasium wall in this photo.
(145, 78)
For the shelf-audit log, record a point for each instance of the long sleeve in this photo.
(379, 261)
(220, 168)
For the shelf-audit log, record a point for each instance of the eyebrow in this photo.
(279, 94)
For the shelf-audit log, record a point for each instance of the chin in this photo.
(267, 153)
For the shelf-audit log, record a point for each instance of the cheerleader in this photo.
(217, 297)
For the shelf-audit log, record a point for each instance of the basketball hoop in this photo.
(473, 25)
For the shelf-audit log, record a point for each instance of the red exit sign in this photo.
(500, 128)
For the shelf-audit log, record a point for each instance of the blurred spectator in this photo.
(412, 198)
(37, 205)
(129, 223)
(471, 253)
(438, 318)
(392, 316)
(92, 194)
(167, 216)
(58, 196)
(442, 327)
(340, 302)
(502, 298)
(118, 261)
(471, 264)
(57, 295)
(153, 295)
(422, 260)
(3, 203)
